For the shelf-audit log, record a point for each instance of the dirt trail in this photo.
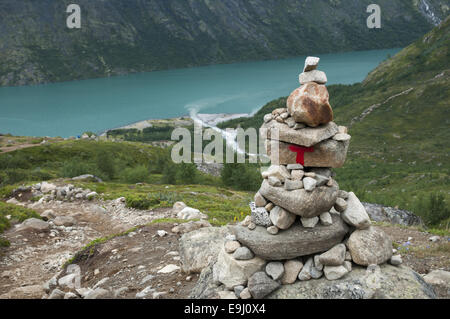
(33, 258)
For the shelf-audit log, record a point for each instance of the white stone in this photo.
(309, 222)
(355, 214)
(189, 213)
(313, 76)
(168, 269)
(311, 63)
(309, 184)
(325, 219)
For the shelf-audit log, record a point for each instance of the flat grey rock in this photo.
(301, 202)
(295, 242)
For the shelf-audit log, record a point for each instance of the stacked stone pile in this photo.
(302, 226)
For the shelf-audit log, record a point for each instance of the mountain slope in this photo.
(399, 122)
(119, 37)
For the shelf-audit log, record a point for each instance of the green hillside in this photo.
(399, 152)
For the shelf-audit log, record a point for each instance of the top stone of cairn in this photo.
(311, 63)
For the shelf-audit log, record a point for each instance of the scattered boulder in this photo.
(188, 213)
(48, 215)
(65, 221)
(34, 224)
(178, 207)
(190, 226)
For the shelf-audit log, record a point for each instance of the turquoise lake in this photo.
(71, 108)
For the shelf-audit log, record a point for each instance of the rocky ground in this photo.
(143, 263)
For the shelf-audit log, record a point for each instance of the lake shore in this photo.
(206, 120)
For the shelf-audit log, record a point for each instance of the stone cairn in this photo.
(302, 226)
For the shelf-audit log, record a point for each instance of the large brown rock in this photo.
(307, 136)
(328, 153)
(369, 246)
(310, 104)
(294, 242)
(301, 202)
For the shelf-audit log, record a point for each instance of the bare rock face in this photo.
(328, 153)
(307, 136)
(370, 246)
(310, 105)
(301, 202)
(388, 283)
(294, 242)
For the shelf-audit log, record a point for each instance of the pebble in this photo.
(309, 222)
(232, 246)
(243, 253)
(396, 260)
(273, 230)
(275, 270)
(325, 219)
(309, 183)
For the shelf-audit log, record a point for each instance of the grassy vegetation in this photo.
(220, 204)
(12, 213)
